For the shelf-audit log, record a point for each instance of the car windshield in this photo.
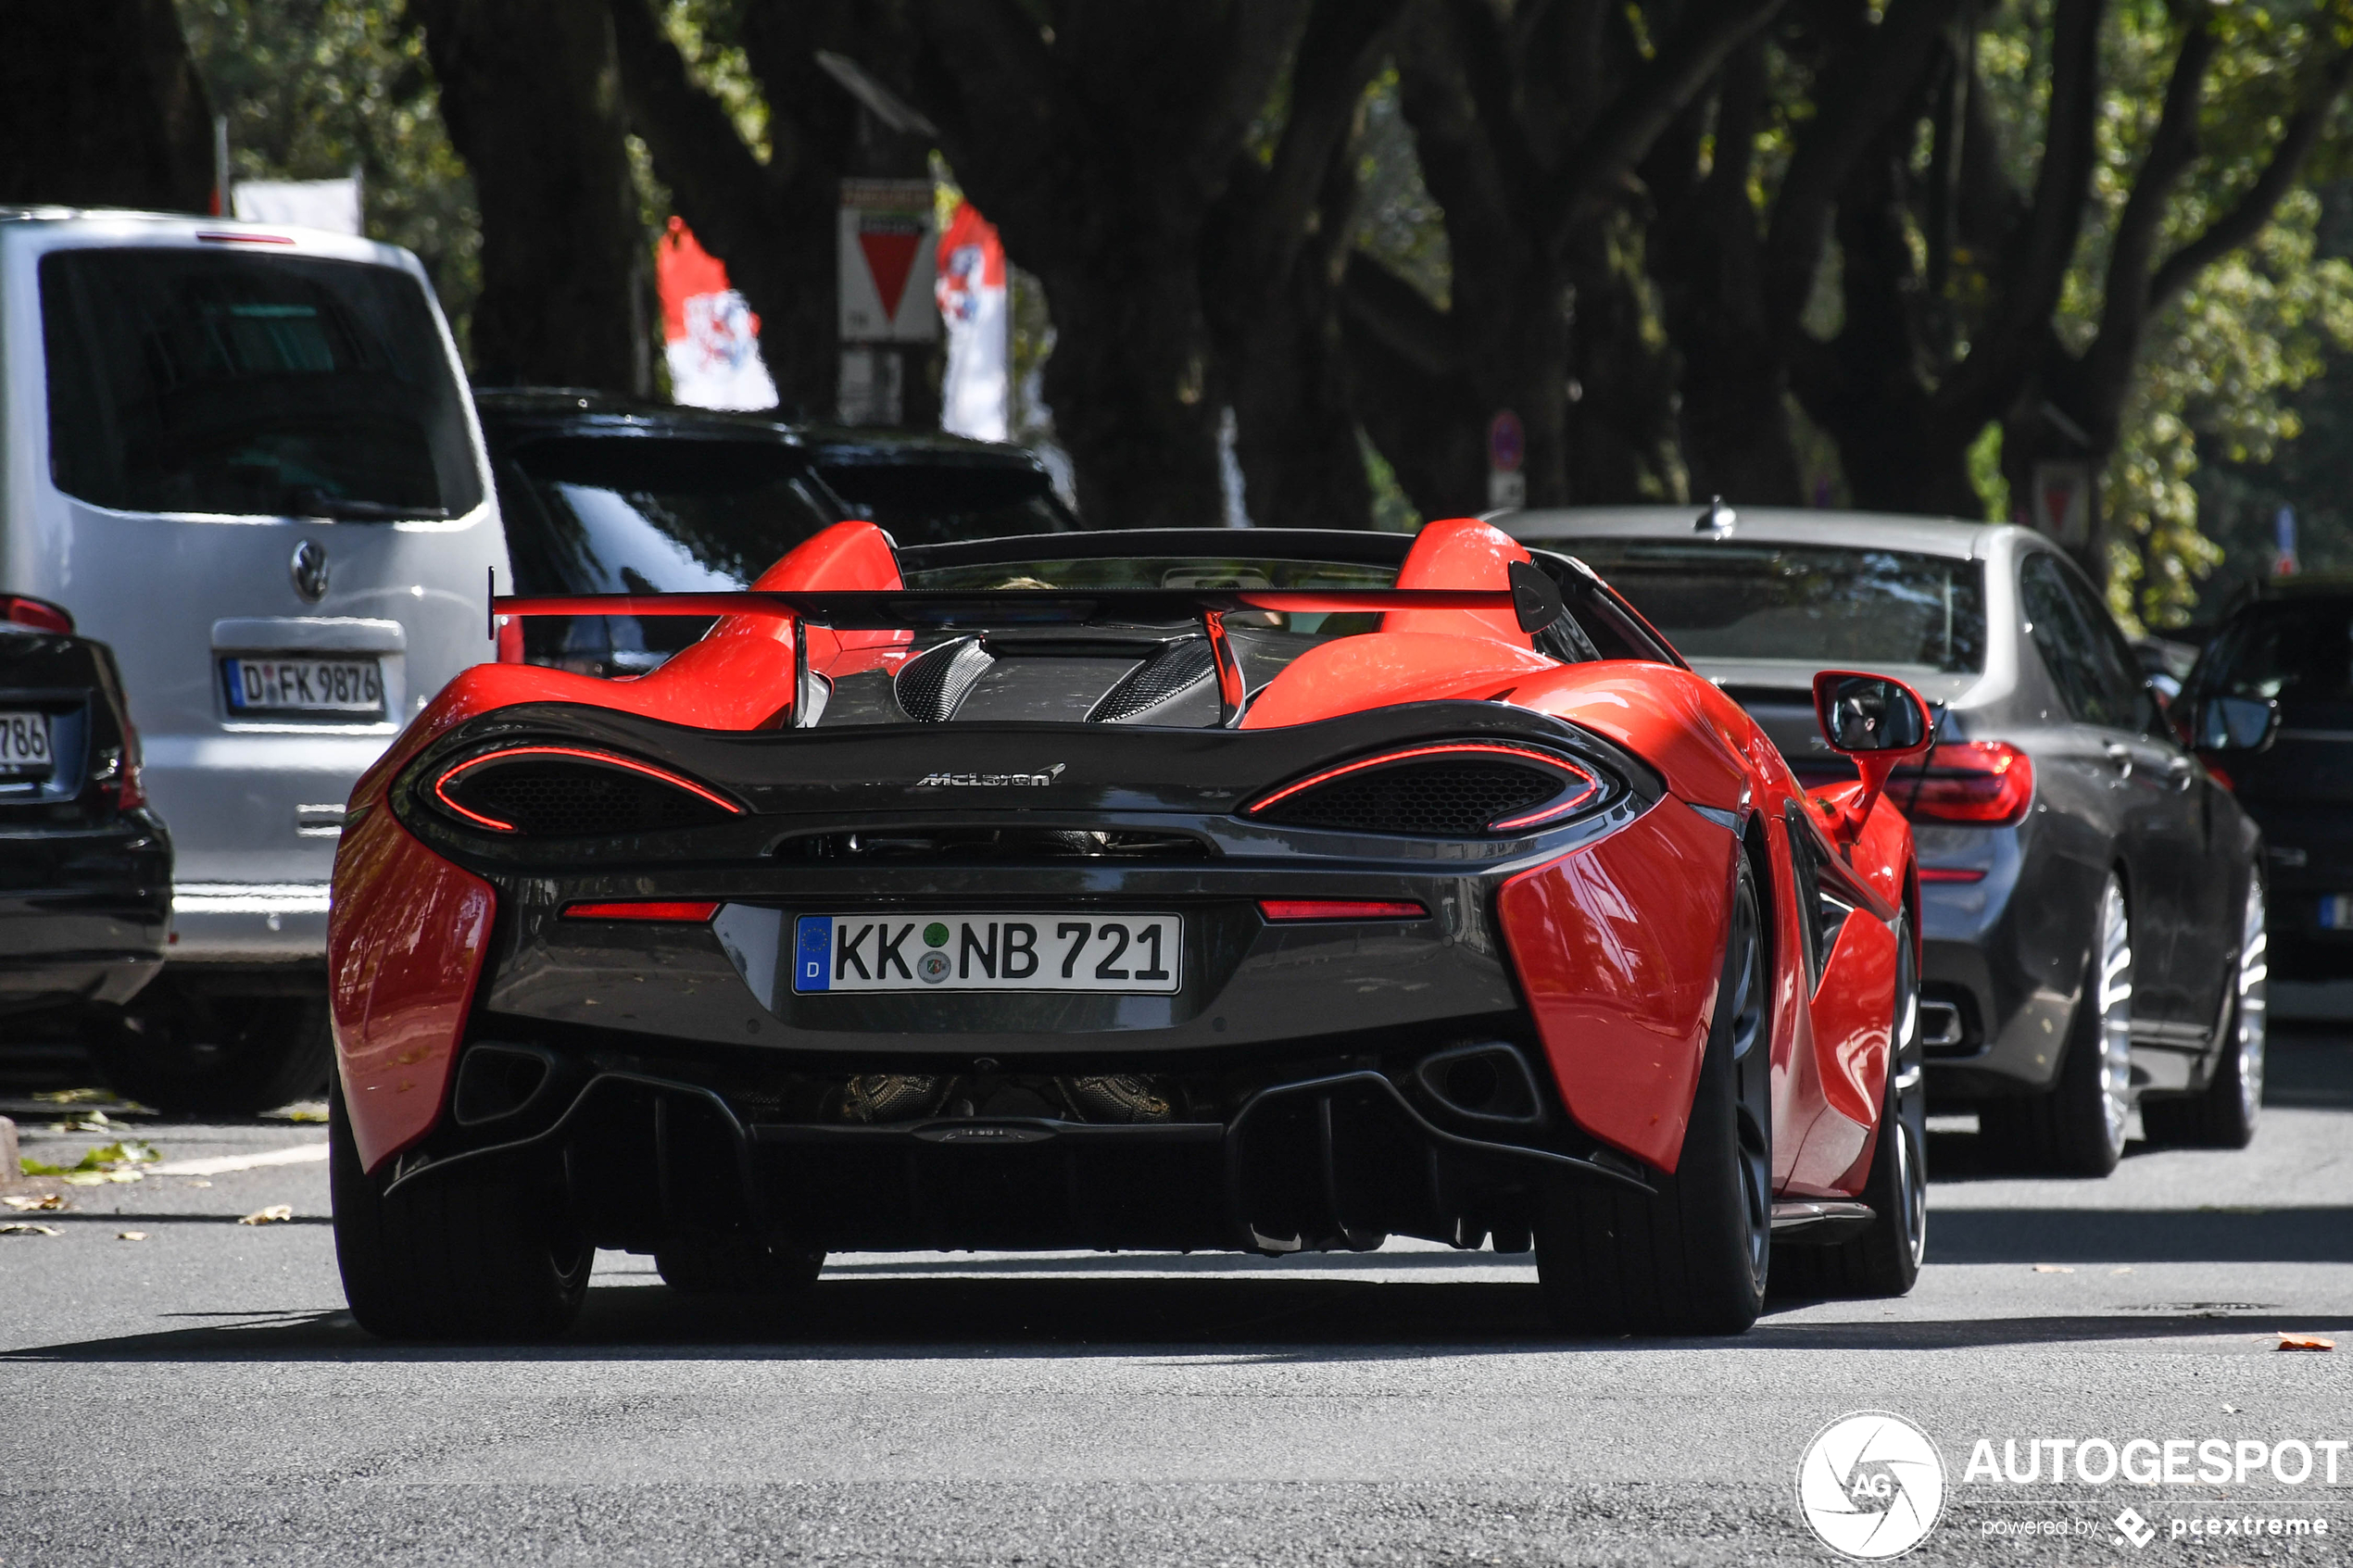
(1815, 605)
(206, 382)
(2299, 652)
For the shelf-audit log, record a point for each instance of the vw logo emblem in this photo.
(310, 569)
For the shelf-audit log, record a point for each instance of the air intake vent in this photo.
(1158, 684)
(557, 792)
(1462, 790)
(930, 687)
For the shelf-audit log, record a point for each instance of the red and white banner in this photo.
(975, 391)
(710, 336)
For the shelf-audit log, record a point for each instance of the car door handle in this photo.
(2181, 771)
(2121, 755)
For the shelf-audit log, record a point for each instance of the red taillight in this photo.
(25, 610)
(1290, 910)
(643, 908)
(2220, 777)
(131, 789)
(1988, 782)
(1952, 873)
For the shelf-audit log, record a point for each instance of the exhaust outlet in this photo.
(1489, 1081)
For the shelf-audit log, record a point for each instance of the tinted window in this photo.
(637, 513)
(2116, 671)
(937, 503)
(629, 513)
(1816, 605)
(2081, 648)
(209, 381)
(2296, 651)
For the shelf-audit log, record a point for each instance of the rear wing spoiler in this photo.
(1532, 599)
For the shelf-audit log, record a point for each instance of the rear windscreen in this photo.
(612, 514)
(940, 503)
(1815, 604)
(207, 382)
(2297, 652)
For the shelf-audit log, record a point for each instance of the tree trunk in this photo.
(1099, 147)
(530, 93)
(100, 105)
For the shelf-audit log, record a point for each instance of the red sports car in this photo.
(1268, 892)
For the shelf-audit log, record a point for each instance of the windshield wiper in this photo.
(310, 501)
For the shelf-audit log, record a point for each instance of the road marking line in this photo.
(300, 1154)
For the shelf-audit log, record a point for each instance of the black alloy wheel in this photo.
(1883, 1260)
(1690, 1258)
(470, 1256)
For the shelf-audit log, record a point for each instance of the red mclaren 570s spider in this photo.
(1175, 889)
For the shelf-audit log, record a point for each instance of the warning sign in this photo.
(2063, 502)
(887, 260)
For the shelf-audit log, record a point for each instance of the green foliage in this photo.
(314, 88)
(2217, 368)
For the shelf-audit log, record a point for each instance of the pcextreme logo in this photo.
(1870, 1486)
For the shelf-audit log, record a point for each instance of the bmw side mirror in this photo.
(1879, 723)
(2234, 723)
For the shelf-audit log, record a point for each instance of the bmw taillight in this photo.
(1983, 783)
(1439, 789)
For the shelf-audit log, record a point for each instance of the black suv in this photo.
(606, 494)
(2287, 647)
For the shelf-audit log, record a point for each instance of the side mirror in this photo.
(2234, 723)
(1878, 722)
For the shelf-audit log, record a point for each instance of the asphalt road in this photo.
(199, 1397)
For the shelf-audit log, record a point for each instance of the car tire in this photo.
(734, 1266)
(2078, 1128)
(2224, 1114)
(1885, 1259)
(188, 1053)
(1689, 1258)
(484, 1257)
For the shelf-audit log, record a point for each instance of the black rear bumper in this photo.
(84, 913)
(1309, 1156)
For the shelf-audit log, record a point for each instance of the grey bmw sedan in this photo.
(2091, 895)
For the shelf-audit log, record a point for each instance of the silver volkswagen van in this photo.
(244, 456)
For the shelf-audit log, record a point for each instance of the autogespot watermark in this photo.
(1871, 1485)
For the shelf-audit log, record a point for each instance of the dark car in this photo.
(607, 494)
(85, 865)
(2091, 894)
(2288, 648)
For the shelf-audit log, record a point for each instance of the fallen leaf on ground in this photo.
(131, 1235)
(199, 1183)
(25, 1203)
(277, 1213)
(2125, 1270)
(26, 1227)
(100, 1178)
(2053, 1268)
(77, 1097)
(2304, 1342)
(101, 1163)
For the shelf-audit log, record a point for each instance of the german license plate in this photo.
(24, 744)
(988, 952)
(303, 685)
(2336, 911)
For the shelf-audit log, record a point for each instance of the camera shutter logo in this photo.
(1870, 1486)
